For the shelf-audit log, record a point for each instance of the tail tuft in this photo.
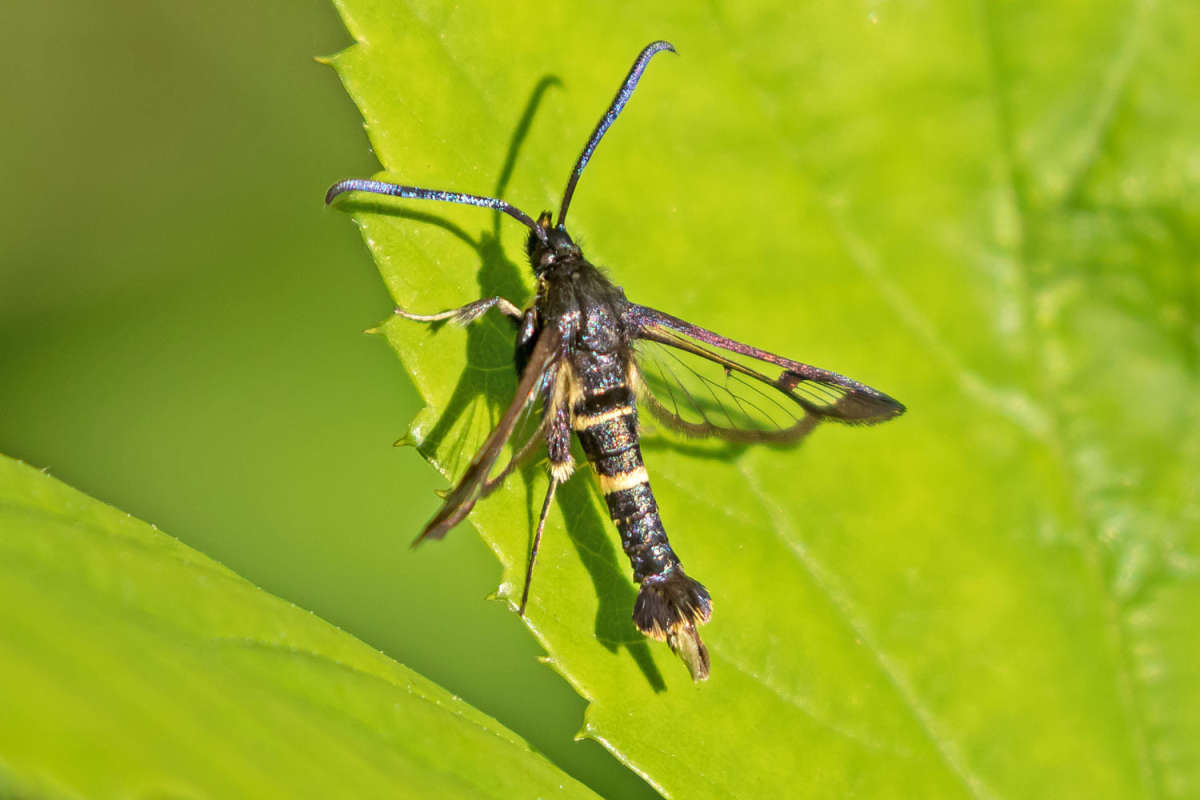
(668, 608)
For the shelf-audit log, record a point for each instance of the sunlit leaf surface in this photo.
(986, 210)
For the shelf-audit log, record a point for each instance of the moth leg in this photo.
(466, 314)
(557, 424)
(558, 440)
(526, 339)
(537, 542)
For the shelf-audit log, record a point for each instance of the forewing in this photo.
(704, 384)
(475, 482)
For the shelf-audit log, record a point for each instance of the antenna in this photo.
(610, 116)
(417, 193)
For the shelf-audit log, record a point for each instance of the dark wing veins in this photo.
(704, 384)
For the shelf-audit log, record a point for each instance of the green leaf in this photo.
(132, 665)
(987, 211)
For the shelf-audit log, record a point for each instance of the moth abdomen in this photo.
(668, 608)
(669, 604)
(610, 433)
(633, 509)
(671, 601)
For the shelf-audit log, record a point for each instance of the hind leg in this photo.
(537, 543)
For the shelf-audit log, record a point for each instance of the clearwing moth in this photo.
(586, 356)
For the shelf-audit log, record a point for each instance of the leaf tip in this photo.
(503, 594)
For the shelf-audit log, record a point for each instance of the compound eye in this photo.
(546, 260)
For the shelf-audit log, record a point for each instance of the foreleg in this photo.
(466, 314)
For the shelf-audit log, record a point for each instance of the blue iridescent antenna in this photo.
(417, 193)
(610, 116)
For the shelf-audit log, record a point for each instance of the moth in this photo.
(587, 356)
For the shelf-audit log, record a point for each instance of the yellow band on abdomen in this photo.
(625, 480)
(582, 422)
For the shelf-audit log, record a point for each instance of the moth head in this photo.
(549, 246)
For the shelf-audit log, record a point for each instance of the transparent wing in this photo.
(699, 397)
(704, 384)
(521, 415)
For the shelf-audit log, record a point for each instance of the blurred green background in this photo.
(180, 332)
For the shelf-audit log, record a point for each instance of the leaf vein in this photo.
(943, 744)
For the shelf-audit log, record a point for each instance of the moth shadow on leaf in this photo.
(497, 275)
(661, 439)
(590, 533)
(594, 540)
